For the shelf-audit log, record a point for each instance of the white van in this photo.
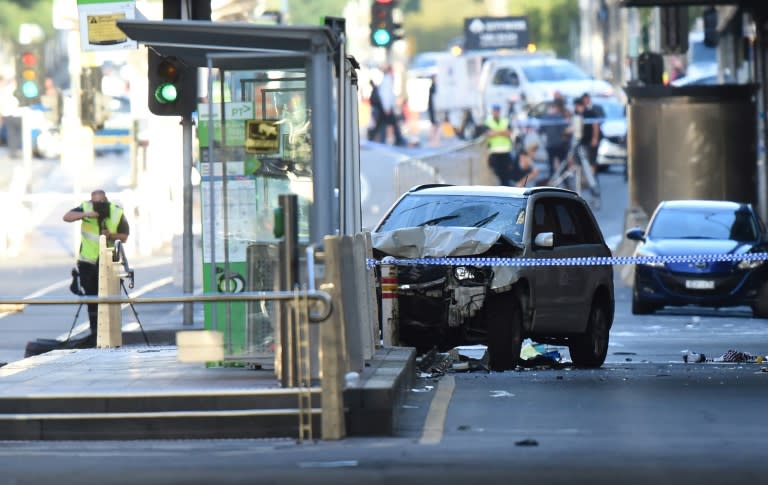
(516, 83)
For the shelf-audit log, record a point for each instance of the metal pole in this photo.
(289, 277)
(761, 75)
(188, 275)
(324, 209)
(211, 194)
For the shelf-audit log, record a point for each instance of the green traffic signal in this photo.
(166, 93)
(30, 89)
(381, 37)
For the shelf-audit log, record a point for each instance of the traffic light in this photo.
(93, 103)
(172, 86)
(384, 29)
(30, 75)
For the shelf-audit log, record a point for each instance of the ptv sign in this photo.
(495, 33)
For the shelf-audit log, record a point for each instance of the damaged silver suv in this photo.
(447, 305)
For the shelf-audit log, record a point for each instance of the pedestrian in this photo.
(590, 131)
(98, 217)
(499, 142)
(524, 172)
(374, 125)
(389, 116)
(434, 124)
(554, 127)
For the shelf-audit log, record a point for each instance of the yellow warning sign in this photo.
(103, 30)
(262, 136)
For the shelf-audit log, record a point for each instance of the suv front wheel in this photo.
(504, 319)
(590, 349)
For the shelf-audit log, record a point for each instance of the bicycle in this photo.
(576, 173)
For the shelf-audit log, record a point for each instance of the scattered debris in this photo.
(736, 356)
(527, 442)
(730, 356)
(464, 427)
(693, 357)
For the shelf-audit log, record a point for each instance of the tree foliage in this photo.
(550, 22)
(16, 12)
(312, 12)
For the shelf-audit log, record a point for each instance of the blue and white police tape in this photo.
(589, 261)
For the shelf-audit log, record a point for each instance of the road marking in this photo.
(501, 394)
(438, 410)
(41, 292)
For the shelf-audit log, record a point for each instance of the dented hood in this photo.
(434, 241)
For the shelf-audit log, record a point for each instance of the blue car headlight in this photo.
(750, 263)
(650, 264)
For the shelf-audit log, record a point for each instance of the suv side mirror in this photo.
(544, 239)
(636, 234)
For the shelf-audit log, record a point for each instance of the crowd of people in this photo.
(567, 134)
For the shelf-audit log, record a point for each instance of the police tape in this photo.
(588, 261)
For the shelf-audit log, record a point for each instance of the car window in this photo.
(567, 233)
(506, 76)
(505, 215)
(704, 223)
(553, 72)
(589, 232)
(542, 219)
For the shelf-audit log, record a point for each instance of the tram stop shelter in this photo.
(279, 118)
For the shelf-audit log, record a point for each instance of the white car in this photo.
(613, 128)
(521, 82)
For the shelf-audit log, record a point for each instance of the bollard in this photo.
(110, 333)
(389, 314)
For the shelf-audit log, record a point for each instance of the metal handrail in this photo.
(315, 295)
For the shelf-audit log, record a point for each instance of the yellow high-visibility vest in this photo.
(90, 231)
(498, 143)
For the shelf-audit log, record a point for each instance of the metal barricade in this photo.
(464, 164)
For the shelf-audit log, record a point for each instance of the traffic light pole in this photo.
(187, 246)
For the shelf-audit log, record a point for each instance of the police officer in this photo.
(99, 217)
(499, 140)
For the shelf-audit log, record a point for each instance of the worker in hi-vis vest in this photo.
(499, 140)
(98, 217)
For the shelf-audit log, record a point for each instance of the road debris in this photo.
(527, 442)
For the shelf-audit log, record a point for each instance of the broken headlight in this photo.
(462, 273)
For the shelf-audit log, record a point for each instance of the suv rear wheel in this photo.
(504, 319)
(590, 349)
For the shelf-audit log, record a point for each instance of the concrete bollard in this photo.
(389, 314)
(110, 333)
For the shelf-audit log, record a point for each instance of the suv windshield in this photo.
(505, 215)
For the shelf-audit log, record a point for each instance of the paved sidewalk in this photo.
(140, 392)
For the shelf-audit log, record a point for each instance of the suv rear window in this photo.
(505, 215)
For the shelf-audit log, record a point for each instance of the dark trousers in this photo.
(501, 164)
(89, 280)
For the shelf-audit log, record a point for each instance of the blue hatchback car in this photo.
(694, 227)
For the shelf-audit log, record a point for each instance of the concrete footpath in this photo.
(143, 392)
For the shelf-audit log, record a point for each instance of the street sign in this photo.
(236, 113)
(495, 33)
